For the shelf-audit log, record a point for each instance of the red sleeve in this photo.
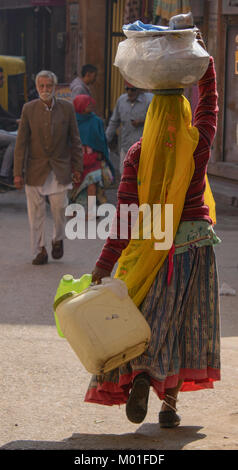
(205, 118)
(127, 194)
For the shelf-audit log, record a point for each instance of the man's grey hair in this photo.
(48, 74)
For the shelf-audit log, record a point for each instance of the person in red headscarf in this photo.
(95, 154)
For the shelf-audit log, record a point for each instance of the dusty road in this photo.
(43, 383)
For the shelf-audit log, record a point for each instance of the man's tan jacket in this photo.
(47, 140)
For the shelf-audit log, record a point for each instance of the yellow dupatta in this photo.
(165, 170)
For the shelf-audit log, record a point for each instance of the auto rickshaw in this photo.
(14, 92)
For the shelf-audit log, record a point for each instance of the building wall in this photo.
(93, 27)
(13, 4)
(58, 42)
(78, 34)
(38, 34)
(16, 33)
(220, 18)
(86, 26)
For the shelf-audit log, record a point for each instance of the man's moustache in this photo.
(46, 96)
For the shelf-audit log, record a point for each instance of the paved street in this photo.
(44, 384)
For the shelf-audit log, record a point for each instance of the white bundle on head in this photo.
(161, 59)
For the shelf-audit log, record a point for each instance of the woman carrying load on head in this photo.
(176, 290)
(95, 154)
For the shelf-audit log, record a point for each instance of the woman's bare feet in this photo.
(168, 417)
(171, 397)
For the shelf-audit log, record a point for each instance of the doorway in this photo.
(231, 97)
(114, 81)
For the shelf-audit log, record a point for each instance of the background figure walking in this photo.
(81, 86)
(129, 113)
(48, 135)
(95, 155)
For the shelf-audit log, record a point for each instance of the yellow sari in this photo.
(165, 171)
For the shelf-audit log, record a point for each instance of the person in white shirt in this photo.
(129, 113)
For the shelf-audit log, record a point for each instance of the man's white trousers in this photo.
(36, 207)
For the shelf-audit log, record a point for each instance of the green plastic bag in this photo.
(69, 284)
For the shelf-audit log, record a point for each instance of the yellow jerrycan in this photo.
(103, 325)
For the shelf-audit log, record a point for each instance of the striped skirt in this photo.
(185, 326)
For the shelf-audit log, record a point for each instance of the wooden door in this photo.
(231, 103)
(114, 81)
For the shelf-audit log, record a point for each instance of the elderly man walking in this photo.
(48, 149)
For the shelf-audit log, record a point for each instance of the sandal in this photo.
(41, 258)
(57, 249)
(136, 406)
(169, 419)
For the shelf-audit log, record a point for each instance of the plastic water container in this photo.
(103, 325)
(69, 284)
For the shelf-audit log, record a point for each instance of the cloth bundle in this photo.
(156, 57)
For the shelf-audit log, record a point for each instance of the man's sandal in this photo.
(169, 419)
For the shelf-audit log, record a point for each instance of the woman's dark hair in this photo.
(1, 69)
(88, 68)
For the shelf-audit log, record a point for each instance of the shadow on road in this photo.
(148, 436)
